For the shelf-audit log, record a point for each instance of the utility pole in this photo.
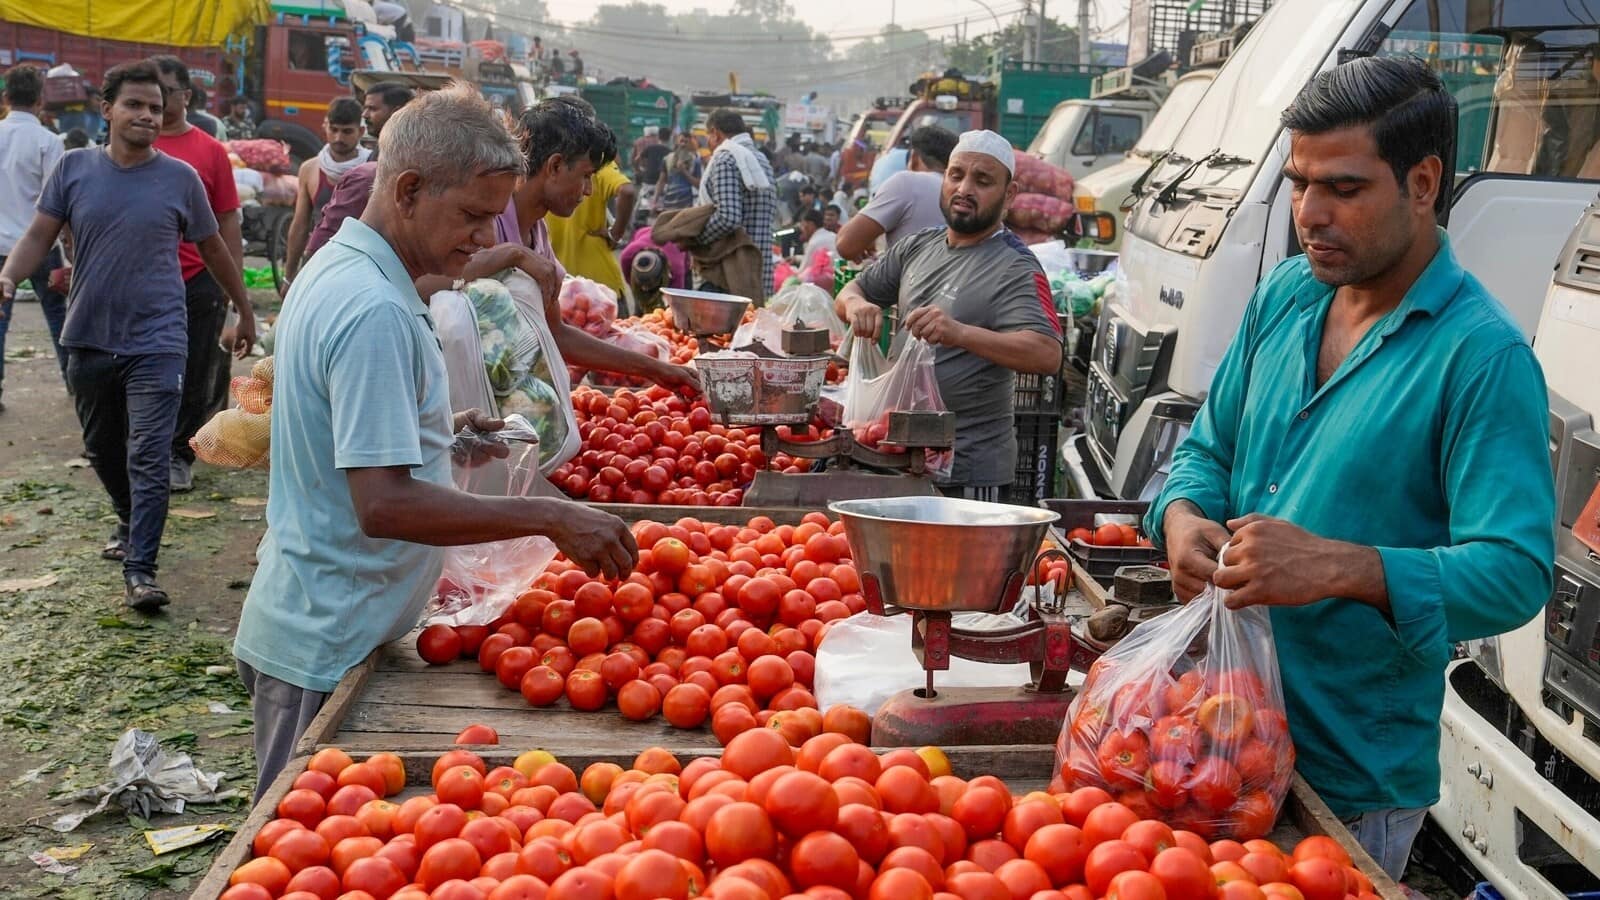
(1026, 50)
(1085, 44)
(1038, 35)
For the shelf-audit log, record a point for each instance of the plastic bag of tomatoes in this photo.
(876, 386)
(479, 582)
(1183, 721)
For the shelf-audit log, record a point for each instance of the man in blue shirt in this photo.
(1374, 449)
(361, 495)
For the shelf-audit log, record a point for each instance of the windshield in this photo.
(1053, 140)
(1169, 119)
(1239, 113)
(954, 121)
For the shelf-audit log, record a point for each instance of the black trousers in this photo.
(208, 312)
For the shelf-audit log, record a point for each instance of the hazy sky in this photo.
(849, 19)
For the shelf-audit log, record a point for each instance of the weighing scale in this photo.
(936, 557)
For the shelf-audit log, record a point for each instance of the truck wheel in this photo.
(278, 244)
(303, 144)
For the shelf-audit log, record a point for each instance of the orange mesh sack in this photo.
(1183, 720)
(239, 438)
(234, 439)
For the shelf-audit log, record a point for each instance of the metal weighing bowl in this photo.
(705, 312)
(1091, 262)
(942, 554)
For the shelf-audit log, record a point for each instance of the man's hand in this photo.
(680, 379)
(475, 451)
(935, 326)
(866, 320)
(598, 542)
(8, 292)
(478, 421)
(1192, 545)
(1272, 562)
(244, 335)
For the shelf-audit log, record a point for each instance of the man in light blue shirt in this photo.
(361, 495)
(28, 153)
(1374, 448)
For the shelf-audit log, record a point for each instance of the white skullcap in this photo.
(989, 144)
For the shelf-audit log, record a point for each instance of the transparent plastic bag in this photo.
(765, 328)
(906, 383)
(587, 304)
(810, 306)
(1183, 720)
(479, 582)
(630, 335)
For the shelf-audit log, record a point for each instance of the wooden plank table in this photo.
(1023, 768)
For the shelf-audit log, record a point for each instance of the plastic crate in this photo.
(1487, 891)
(1037, 395)
(1100, 562)
(1037, 443)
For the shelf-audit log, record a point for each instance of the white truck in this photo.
(1099, 197)
(1216, 217)
(1086, 136)
(1520, 751)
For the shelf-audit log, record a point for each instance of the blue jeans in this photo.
(128, 407)
(1387, 834)
(53, 303)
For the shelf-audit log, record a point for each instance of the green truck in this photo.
(631, 109)
(1015, 99)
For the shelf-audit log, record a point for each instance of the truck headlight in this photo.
(1486, 653)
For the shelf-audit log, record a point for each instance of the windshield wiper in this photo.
(1169, 191)
(1157, 159)
(1229, 161)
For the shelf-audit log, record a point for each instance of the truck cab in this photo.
(1100, 197)
(1216, 214)
(868, 136)
(1520, 750)
(1086, 136)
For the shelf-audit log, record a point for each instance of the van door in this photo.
(1106, 136)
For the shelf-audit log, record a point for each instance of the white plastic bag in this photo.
(811, 306)
(866, 659)
(906, 384)
(766, 329)
(480, 581)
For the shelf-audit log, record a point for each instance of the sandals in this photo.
(143, 594)
(116, 548)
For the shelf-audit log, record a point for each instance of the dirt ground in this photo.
(80, 668)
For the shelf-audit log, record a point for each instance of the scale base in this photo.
(958, 717)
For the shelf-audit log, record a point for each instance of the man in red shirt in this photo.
(208, 304)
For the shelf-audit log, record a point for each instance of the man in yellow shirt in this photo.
(583, 242)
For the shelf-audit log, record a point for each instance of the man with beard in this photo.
(974, 291)
(128, 206)
(1373, 450)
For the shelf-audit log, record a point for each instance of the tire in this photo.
(278, 243)
(303, 143)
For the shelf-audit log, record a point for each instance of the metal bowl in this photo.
(704, 312)
(943, 554)
(1090, 262)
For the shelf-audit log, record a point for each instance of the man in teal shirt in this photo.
(1374, 448)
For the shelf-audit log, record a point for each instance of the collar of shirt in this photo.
(21, 116)
(1430, 293)
(359, 236)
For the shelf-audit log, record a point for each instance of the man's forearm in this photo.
(220, 263)
(299, 236)
(442, 516)
(857, 237)
(1356, 571)
(1021, 351)
(849, 298)
(228, 225)
(582, 349)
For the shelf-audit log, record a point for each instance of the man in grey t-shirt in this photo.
(126, 333)
(974, 291)
(907, 203)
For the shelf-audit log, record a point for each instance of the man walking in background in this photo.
(342, 131)
(908, 202)
(28, 153)
(129, 206)
(680, 175)
(351, 193)
(206, 305)
(241, 127)
(738, 182)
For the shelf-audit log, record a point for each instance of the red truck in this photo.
(867, 139)
(290, 69)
